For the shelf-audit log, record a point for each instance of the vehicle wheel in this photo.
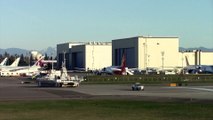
(39, 84)
(133, 89)
(60, 85)
(57, 85)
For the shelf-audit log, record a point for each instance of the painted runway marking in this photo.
(195, 88)
(202, 89)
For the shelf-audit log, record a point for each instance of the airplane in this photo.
(117, 70)
(14, 64)
(23, 70)
(197, 69)
(3, 63)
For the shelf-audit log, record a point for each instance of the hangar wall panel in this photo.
(160, 52)
(98, 56)
(143, 52)
(206, 58)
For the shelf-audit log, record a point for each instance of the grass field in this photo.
(150, 79)
(103, 110)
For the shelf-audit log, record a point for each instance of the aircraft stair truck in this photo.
(67, 81)
(56, 80)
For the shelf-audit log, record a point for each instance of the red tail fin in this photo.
(123, 64)
(39, 62)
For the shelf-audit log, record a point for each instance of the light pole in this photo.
(93, 47)
(148, 61)
(162, 55)
(52, 59)
(182, 62)
(145, 55)
(144, 44)
(64, 59)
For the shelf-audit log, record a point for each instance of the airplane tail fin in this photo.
(4, 61)
(187, 61)
(123, 64)
(39, 62)
(16, 62)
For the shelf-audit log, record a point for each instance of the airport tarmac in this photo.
(12, 89)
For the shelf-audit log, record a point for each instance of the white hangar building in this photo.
(85, 56)
(142, 52)
(195, 57)
(156, 52)
(92, 56)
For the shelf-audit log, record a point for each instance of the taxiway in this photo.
(12, 89)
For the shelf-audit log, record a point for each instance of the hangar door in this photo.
(130, 56)
(77, 60)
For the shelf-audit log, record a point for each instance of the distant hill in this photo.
(13, 51)
(199, 48)
(50, 51)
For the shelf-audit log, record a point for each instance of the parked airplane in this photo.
(117, 70)
(14, 64)
(197, 69)
(3, 63)
(23, 70)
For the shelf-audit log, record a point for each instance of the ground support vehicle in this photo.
(137, 87)
(55, 80)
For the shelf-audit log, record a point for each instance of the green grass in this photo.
(103, 110)
(149, 79)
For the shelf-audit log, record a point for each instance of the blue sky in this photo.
(38, 24)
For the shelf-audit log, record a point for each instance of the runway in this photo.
(12, 89)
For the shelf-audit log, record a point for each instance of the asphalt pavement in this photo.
(13, 89)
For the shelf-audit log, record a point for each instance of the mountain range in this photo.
(50, 51)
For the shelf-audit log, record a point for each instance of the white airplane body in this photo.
(118, 70)
(22, 71)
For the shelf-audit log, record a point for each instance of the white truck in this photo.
(137, 87)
